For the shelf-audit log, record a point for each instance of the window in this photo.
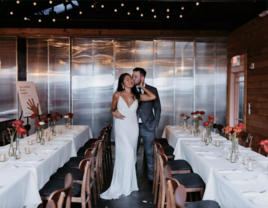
(239, 98)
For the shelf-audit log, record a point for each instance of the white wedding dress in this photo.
(124, 179)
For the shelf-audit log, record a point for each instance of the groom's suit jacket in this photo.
(145, 110)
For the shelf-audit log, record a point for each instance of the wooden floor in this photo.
(139, 199)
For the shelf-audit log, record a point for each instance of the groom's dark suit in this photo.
(149, 121)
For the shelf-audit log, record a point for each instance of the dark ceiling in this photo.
(208, 15)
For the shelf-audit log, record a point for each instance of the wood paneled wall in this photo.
(252, 39)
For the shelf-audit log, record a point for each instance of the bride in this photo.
(124, 107)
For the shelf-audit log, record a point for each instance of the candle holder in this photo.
(250, 166)
(27, 150)
(3, 158)
(217, 143)
(30, 142)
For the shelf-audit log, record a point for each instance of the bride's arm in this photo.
(114, 110)
(149, 95)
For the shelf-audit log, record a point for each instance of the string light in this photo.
(141, 15)
(11, 13)
(167, 17)
(17, 2)
(137, 8)
(92, 6)
(122, 4)
(154, 16)
(197, 3)
(39, 20)
(67, 17)
(182, 8)
(53, 20)
(80, 12)
(102, 6)
(34, 3)
(115, 10)
(128, 13)
(50, 2)
(25, 18)
(180, 16)
(152, 10)
(167, 10)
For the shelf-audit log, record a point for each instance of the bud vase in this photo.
(11, 148)
(184, 124)
(38, 136)
(233, 153)
(196, 128)
(53, 127)
(42, 139)
(18, 153)
(66, 123)
(208, 136)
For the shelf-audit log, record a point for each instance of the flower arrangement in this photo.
(185, 118)
(264, 145)
(53, 120)
(233, 132)
(208, 124)
(197, 116)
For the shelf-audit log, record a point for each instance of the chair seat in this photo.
(163, 142)
(203, 204)
(179, 165)
(168, 150)
(62, 172)
(56, 184)
(74, 161)
(81, 151)
(89, 142)
(189, 180)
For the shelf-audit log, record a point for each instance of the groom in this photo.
(148, 120)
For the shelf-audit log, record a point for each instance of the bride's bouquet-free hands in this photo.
(118, 115)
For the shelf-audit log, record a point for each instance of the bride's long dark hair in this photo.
(120, 88)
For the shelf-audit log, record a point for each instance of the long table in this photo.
(210, 163)
(43, 161)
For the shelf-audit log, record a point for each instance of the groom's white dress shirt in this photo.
(142, 92)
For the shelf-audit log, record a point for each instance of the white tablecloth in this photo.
(17, 188)
(176, 134)
(46, 159)
(227, 193)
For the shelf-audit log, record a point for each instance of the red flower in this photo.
(206, 124)
(182, 114)
(71, 115)
(197, 112)
(187, 117)
(200, 118)
(193, 113)
(202, 112)
(228, 129)
(211, 117)
(33, 116)
(57, 114)
(264, 144)
(37, 124)
(241, 126)
(18, 123)
(44, 118)
(237, 130)
(21, 131)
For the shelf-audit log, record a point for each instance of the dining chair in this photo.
(220, 128)
(51, 204)
(192, 181)
(81, 188)
(62, 196)
(5, 139)
(168, 149)
(245, 139)
(177, 167)
(177, 198)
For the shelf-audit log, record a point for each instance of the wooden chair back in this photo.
(172, 184)
(5, 138)
(51, 204)
(63, 196)
(245, 139)
(162, 187)
(180, 196)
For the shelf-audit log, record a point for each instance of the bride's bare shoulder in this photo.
(116, 95)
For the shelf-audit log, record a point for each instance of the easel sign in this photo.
(28, 97)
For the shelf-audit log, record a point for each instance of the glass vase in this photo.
(53, 128)
(38, 136)
(66, 123)
(11, 148)
(42, 138)
(196, 128)
(184, 124)
(18, 153)
(208, 136)
(233, 153)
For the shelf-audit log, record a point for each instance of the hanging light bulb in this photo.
(167, 10)
(137, 8)
(50, 2)
(39, 20)
(167, 17)
(154, 16)
(128, 13)
(152, 10)
(180, 16)
(67, 17)
(11, 13)
(92, 6)
(141, 15)
(197, 3)
(102, 6)
(25, 18)
(53, 20)
(115, 10)
(182, 8)
(80, 12)
(34, 3)
(17, 2)
(122, 4)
